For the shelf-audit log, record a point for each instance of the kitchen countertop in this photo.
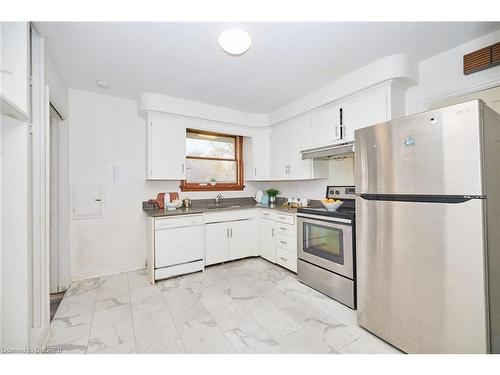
(156, 212)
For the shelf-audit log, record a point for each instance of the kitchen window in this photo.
(214, 162)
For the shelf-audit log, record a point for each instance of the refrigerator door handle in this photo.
(420, 198)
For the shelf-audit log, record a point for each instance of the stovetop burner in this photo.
(342, 212)
(346, 211)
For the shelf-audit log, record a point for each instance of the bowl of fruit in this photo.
(331, 204)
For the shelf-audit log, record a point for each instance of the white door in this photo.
(166, 153)
(268, 239)
(300, 139)
(325, 126)
(240, 239)
(364, 110)
(280, 151)
(216, 243)
(257, 155)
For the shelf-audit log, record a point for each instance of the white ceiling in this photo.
(285, 62)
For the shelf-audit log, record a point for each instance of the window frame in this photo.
(238, 153)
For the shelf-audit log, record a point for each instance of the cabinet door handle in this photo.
(150, 158)
(182, 167)
(284, 259)
(231, 232)
(283, 229)
(283, 242)
(255, 171)
(227, 232)
(341, 122)
(272, 232)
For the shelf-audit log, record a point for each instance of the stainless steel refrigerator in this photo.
(428, 230)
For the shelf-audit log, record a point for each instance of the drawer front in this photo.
(176, 222)
(286, 229)
(286, 259)
(286, 242)
(284, 218)
(266, 214)
(229, 215)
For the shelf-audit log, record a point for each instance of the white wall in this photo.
(14, 233)
(105, 130)
(442, 75)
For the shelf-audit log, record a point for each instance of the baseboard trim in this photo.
(109, 271)
(43, 337)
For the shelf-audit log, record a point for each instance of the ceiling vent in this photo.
(481, 59)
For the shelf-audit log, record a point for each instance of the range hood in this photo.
(328, 152)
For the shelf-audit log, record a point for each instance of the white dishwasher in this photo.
(179, 245)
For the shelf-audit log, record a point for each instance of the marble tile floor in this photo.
(245, 306)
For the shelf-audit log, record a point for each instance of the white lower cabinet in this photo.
(179, 245)
(240, 239)
(268, 239)
(286, 259)
(228, 241)
(278, 239)
(216, 243)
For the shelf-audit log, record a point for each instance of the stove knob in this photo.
(337, 192)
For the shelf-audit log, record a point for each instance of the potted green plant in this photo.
(212, 181)
(272, 194)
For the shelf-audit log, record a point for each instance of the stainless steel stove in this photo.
(326, 247)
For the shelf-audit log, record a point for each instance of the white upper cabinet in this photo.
(166, 148)
(337, 122)
(14, 73)
(287, 141)
(301, 139)
(366, 109)
(325, 126)
(280, 152)
(257, 155)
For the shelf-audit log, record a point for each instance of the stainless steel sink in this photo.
(221, 206)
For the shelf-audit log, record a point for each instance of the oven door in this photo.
(326, 243)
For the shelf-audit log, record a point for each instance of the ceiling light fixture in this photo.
(235, 42)
(102, 84)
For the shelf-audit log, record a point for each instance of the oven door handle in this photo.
(326, 219)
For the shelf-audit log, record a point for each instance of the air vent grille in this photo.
(495, 53)
(477, 60)
(481, 59)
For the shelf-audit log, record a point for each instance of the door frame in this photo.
(38, 197)
(59, 201)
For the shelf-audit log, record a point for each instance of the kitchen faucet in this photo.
(218, 198)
